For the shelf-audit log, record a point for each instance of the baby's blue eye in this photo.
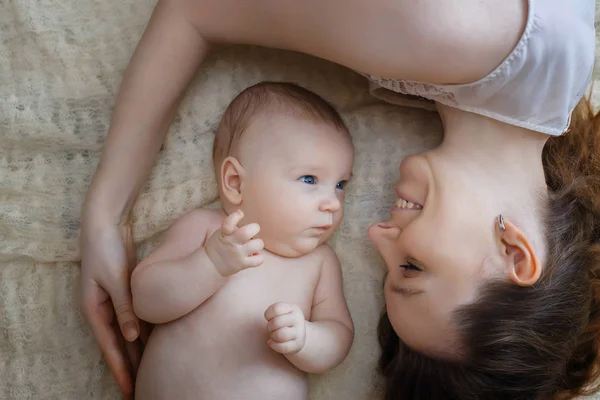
(341, 185)
(311, 180)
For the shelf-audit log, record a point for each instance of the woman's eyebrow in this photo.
(407, 291)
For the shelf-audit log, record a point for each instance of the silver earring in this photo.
(501, 222)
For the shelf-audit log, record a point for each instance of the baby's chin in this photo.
(294, 248)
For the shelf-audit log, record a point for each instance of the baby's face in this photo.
(296, 171)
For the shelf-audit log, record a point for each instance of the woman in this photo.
(478, 305)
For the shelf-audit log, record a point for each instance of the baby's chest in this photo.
(249, 293)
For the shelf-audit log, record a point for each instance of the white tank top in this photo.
(540, 82)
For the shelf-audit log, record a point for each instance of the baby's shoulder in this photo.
(200, 219)
(325, 256)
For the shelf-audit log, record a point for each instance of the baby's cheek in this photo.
(306, 245)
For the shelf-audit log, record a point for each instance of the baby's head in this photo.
(283, 156)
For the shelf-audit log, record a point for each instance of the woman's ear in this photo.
(523, 266)
(232, 176)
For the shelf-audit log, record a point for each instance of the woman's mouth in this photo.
(404, 204)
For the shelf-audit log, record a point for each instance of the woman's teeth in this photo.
(401, 203)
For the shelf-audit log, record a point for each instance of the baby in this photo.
(249, 298)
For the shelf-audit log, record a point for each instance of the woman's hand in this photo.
(108, 258)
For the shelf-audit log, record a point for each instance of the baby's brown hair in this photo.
(263, 98)
(539, 342)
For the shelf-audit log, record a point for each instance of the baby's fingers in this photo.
(281, 308)
(291, 346)
(229, 225)
(253, 261)
(245, 233)
(282, 321)
(283, 334)
(253, 247)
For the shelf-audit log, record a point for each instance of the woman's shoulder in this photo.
(565, 26)
(538, 83)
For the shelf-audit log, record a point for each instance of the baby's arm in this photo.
(178, 276)
(192, 263)
(323, 342)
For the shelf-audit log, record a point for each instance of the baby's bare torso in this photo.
(220, 351)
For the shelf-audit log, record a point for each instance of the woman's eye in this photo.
(341, 185)
(310, 179)
(410, 269)
(411, 266)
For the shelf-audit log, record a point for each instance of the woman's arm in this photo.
(164, 62)
(434, 41)
(161, 68)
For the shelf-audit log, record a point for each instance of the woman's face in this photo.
(435, 246)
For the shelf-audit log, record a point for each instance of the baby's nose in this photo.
(331, 204)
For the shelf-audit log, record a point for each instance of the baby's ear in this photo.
(232, 174)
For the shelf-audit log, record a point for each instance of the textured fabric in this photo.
(60, 66)
(538, 84)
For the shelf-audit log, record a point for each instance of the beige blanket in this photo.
(60, 67)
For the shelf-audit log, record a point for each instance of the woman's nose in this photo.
(384, 236)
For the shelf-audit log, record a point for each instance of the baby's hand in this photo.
(232, 249)
(287, 327)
